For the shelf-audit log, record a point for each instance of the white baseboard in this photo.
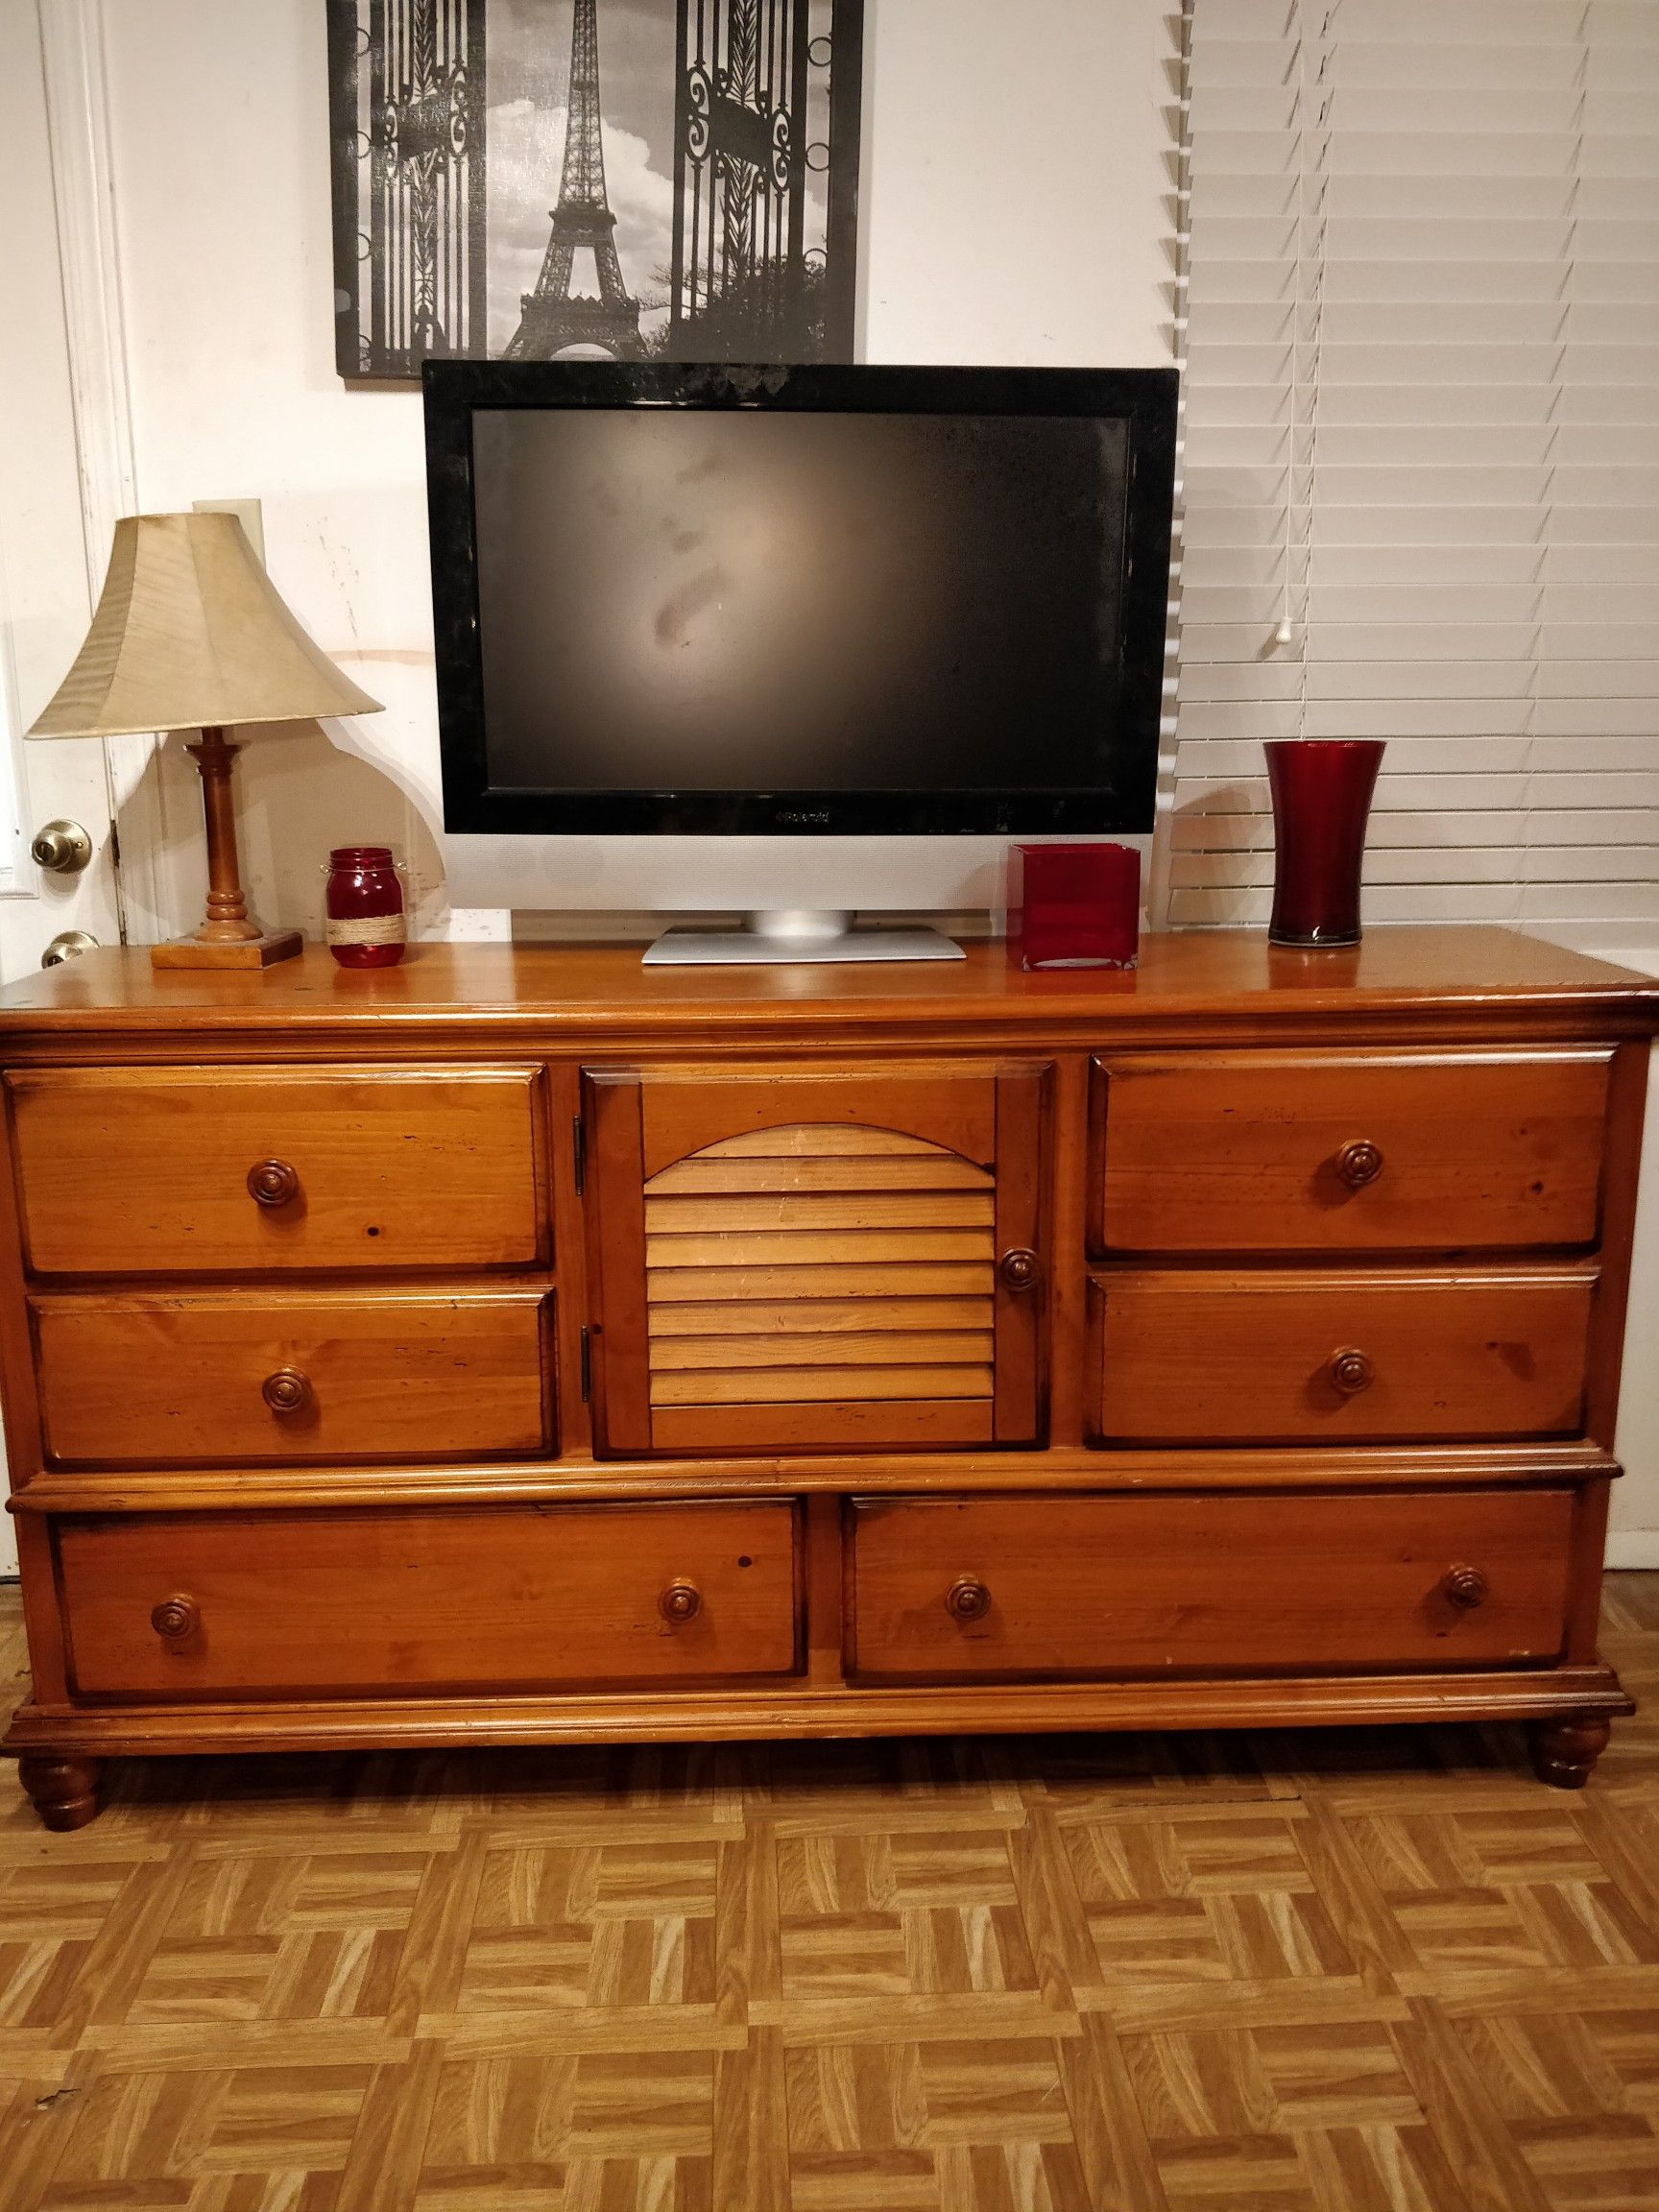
(1633, 1547)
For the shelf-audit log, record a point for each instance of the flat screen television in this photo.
(838, 601)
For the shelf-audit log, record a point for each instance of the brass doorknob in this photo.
(63, 847)
(1359, 1162)
(67, 944)
(176, 1618)
(1351, 1370)
(287, 1392)
(968, 1599)
(680, 1602)
(1019, 1268)
(273, 1182)
(1466, 1587)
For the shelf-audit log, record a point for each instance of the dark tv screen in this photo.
(801, 617)
(736, 601)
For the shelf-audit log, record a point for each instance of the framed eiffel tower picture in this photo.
(640, 178)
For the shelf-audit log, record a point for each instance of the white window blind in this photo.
(1421, 423)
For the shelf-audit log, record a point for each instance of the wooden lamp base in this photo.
(229, 937)
(260, 952)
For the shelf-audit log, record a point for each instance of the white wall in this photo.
(1633, 1523)
(219, 127)
(1018, 182)
(1016, 209)
(1633, 1526)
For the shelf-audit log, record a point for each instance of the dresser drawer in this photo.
(221, 1172)
(292, 1377)
(208, 1605)
(1195, 1356)
(1279, 1152)
(1135, 1585)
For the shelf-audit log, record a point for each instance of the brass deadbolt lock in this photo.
(64, 848)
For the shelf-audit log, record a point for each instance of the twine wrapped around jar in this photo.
(367, 927)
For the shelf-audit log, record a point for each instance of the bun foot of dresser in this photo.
(64, 1792)
(1565, 1751)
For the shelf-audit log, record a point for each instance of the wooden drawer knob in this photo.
(273, 1182)
(176, 1619)
(1350, 1370)
(1466, 1587)
(1358, 1162)
(1019, 1268)
(967, 1599)
(680, 1602)
(287, 1392)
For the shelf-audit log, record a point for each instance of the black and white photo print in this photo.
(533, 179)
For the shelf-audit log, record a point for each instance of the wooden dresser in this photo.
(522, 1346)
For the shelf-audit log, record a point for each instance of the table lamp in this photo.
(190, 633)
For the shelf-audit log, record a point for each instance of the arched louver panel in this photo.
(813, 1262)
(796, 1261)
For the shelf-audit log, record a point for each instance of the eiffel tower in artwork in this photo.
(555, 318)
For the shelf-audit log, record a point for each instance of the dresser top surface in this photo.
(1181, 974)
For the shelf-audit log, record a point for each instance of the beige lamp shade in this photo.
(189, 634)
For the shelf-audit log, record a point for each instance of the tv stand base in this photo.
(796, 935)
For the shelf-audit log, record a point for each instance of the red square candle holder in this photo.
(1074, 905)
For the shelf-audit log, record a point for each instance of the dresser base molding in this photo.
(1568, 1704)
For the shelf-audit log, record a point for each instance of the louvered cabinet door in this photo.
(843, 1258)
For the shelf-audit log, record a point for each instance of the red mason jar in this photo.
(367, 927)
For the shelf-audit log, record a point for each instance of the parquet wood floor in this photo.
(1367, 1972)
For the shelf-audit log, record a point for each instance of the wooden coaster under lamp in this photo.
(190, 633)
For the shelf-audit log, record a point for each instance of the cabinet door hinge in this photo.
(579, 1153)
(586, 1364)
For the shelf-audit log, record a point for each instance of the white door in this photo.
(45, 574)
(46, 583)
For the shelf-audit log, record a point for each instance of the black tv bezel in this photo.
(1146, 398)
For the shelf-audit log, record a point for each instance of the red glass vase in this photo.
(366, 924)
(1321, 790)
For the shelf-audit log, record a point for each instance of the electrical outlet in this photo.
(247, 512)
